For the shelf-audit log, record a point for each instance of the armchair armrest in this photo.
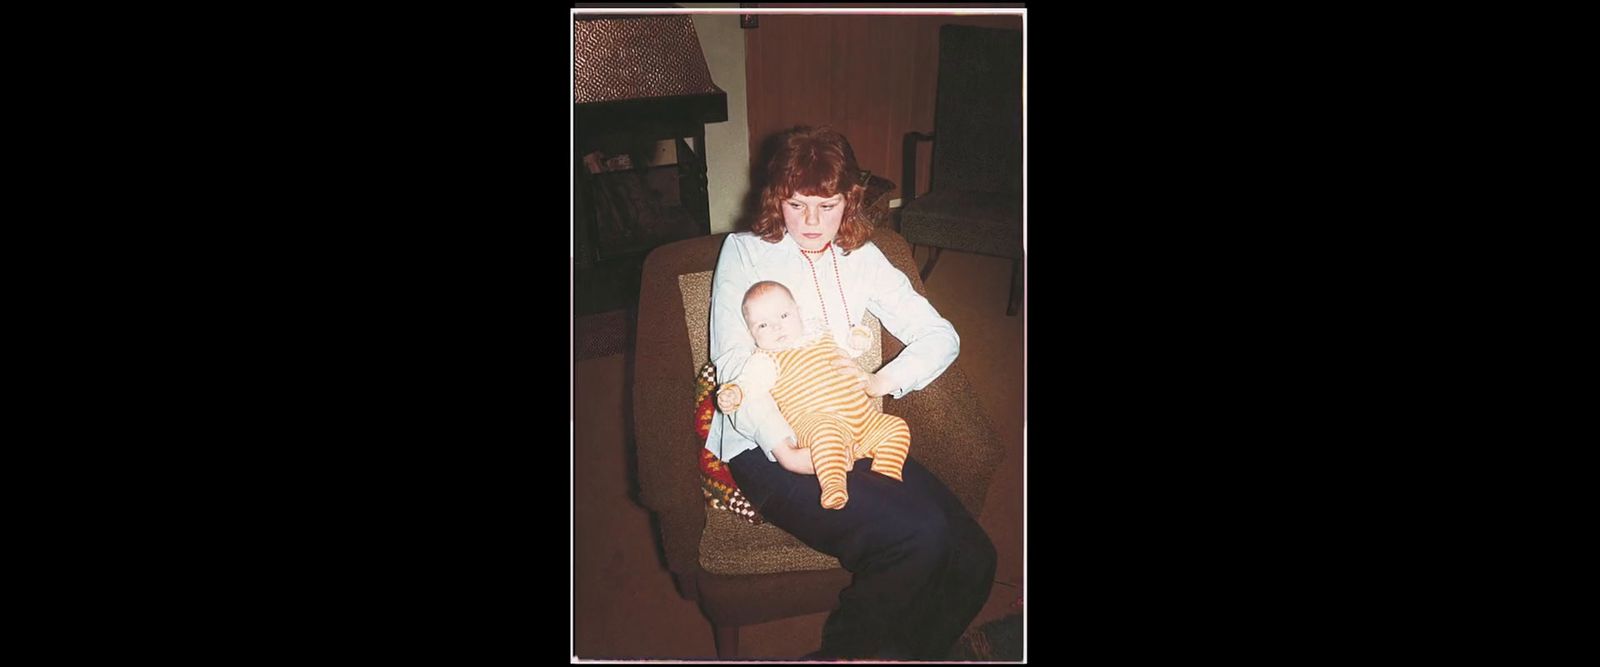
(663, 406)
(908, 165)
(669, 479)
(952, 436)
(950, 433)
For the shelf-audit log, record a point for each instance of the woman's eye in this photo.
(794, 205)
(829, 207)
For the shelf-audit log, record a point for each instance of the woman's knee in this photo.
(984, 557)
(928, 535)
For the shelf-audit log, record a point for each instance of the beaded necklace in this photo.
(818, 284)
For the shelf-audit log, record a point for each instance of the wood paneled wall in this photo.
(871, 77)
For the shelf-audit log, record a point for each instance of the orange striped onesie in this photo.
(835, 419)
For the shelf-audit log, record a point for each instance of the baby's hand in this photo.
(729, 397)
(860, 340)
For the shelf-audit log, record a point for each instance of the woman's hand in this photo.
(868, 382)
(793, 458)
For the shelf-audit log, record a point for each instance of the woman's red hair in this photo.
(815, 162)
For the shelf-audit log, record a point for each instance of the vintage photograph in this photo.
(798, 305)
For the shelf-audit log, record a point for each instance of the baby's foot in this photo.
(834, 497)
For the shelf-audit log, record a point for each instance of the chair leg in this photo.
(727, 640)
(933, 258)
(1016, 288)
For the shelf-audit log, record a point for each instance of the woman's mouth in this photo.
(812, 235)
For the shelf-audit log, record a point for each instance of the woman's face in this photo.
(812, 221)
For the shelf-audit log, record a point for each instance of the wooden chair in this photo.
(974, 198)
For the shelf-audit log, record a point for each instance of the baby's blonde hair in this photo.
(758, 290)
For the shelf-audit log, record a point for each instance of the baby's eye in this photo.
(785, 316)
(762, 325)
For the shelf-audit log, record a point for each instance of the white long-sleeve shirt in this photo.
(870, 283)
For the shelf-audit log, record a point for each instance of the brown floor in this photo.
(623, 601)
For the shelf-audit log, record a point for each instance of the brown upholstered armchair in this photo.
(743, 574)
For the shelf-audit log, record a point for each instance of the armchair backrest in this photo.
(977, 118)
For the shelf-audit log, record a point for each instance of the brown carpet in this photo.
(624, 605)
(601, 334)
(995, 641)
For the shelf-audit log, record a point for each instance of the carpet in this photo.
(601, 334)
(995, 640)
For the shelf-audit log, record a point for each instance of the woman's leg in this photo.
(964, 583)
(922, 566)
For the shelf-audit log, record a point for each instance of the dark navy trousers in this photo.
(923, 566)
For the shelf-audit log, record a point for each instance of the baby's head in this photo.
(772, 316)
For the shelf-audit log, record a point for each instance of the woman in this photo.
(923, 567)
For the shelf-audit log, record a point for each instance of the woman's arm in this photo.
(794, 459)
(748, 401)
(931, 341)
(731, 344)
(759, 419)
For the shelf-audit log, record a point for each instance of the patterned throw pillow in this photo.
(715, 481)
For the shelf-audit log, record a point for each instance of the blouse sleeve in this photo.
(731, 344)
(931, 341)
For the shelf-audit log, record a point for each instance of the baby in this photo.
(831, 415)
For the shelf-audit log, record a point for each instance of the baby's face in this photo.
(774, 320)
